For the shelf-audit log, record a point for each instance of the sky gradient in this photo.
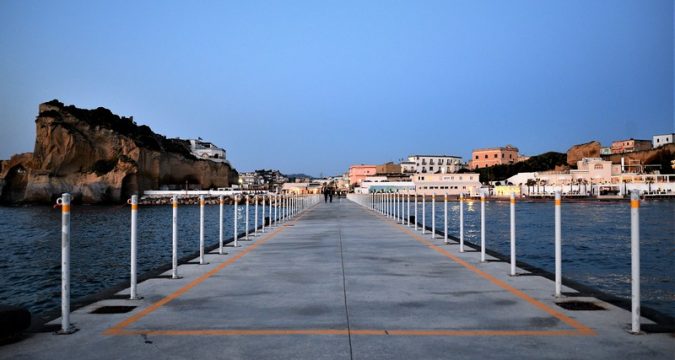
(316, 86)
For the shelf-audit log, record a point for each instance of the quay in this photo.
(340, 281)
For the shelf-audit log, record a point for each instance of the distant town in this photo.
(587, 170)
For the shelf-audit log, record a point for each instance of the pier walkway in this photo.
(342, 282)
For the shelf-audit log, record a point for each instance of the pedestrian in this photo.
(326, 193)
(330, 194)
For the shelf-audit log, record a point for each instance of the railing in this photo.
(395, 205)
(285, 208)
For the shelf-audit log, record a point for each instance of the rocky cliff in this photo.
(578, 152)
(101, 157)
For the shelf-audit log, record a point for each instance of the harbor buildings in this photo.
(481, 158)
(630, 145)
(359, 172)
(207, 151)
(661, 140)
(422, 164)
(450, 184)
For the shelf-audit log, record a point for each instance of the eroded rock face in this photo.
(101, 157)
(587, 150)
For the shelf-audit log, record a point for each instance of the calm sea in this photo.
(596, 245)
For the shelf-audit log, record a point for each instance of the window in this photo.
(460, 178)
(502, 155)
(598, 167)
(486, 156)
(495, 156)
(476, 157)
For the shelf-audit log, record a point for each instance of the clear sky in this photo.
(318, 85)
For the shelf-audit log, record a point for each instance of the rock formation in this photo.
(101, 157)
(587, 150)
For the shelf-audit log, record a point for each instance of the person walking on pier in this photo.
(326, 193)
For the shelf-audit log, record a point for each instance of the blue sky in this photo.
(316, 86)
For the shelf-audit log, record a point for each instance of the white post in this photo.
(482, 227)
(513, 234)
(276, 208)
(445, 218)
(134, 242)
(407, 206)
(246, 216)
(221, 235)
(415, 210)
(558, 247)
(201, 229)
(255, 212)
(236, 220)
(174, 238)
(263, 213)
(424, 214)
(64, 201)
(461, 222)
(433, 215)
(635, 260)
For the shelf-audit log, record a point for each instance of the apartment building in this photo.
(486, 157)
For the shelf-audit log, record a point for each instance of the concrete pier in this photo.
(342, 282)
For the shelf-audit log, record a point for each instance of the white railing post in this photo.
(415, 210)
(482, 227)
(134, 242)
(174, 238)
(445, 218)
(635, 260)
(201, 229)
(513, 234)
(433, 215)
(263, 213)
(64, 202)
(558, 247)
(255, 212)
(246, 217)
(461, 222)
(424, 214)
(236, 220)
(221, 234)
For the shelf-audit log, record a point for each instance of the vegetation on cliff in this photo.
(101, 117)
(542, 162)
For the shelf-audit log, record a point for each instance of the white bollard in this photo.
(174, 239)
(461, 222)
(513, 234)
(134, 242)
(64, 202)
(635, 260)
(276, 208)
(407, 206)
(201, 229)
(263, 213)
(433, 215)
(236, 220)
(221, 234)
(445, 218)
(424, 214)
(558, 247)
(247, 222)
(255, 212)
(482, 227)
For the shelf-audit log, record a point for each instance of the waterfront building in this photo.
(630, 145)
(379, 185)
(424, 164)
(486, 157)
(606, 150)
(302, 188)
(359, 172)
(388, 168)
(251, 180)
(665, 139)
(207, 151)
(450, 184)
(408, 167)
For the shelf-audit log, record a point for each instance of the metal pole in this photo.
(415, 210)
(482, 227)
(635, 260)
(247, 222)
(461, 222)
(424, 213)
(201, 229)
(513, 234)
(407, 206)
(134, 241)
(236, 218)
(174, 238)
(255, 223)
(263, 213)
(433, 215)
(221, 235)
(445, 218)
(64, 201)
(276, 207)
(558, 247)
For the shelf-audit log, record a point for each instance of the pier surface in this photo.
(342, 282)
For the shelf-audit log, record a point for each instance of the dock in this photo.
(340, 281)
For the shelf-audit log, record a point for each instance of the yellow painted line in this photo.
(134, 207)
(581, 328)
(635, 204)
(557, 202)
(116, 329)
(343, 332)
(65, 209)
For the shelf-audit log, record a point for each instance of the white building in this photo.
(442, 164)
(207, 151)
(450, 184)
(660, 140)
